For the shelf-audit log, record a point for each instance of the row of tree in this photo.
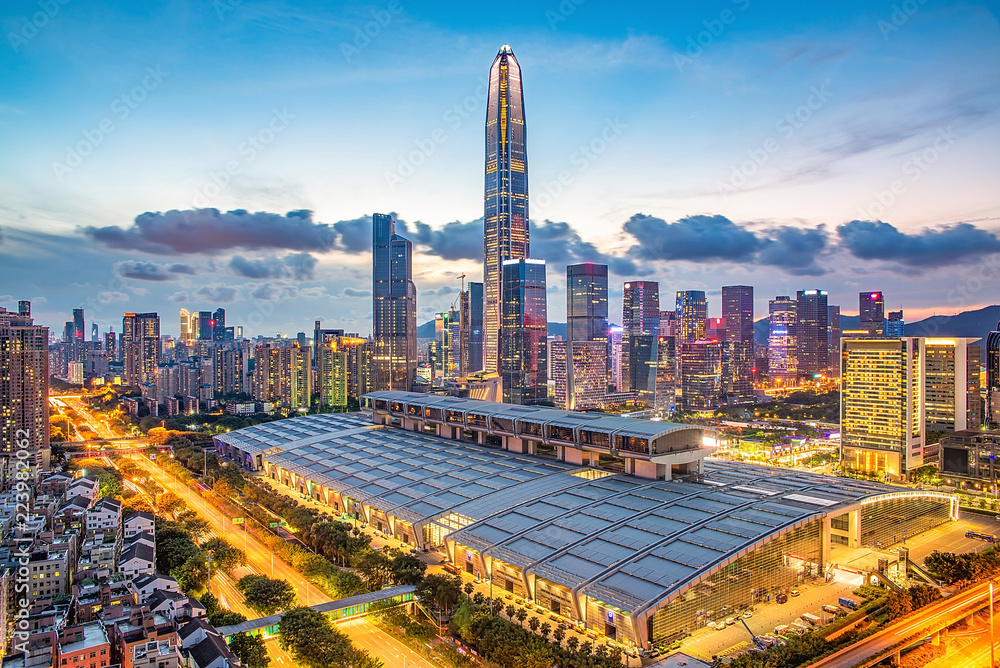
(313, 642)
(953, 568)
(266, 595)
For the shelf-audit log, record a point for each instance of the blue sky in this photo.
(846, 146)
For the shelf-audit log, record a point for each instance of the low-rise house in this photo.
(143, 586)
(138, 522)
(105, 516)
(84, 646)
(137, 559)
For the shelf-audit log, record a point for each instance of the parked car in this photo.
(794, 592)
(711, 624)
(719, 625)
(730, 621)
(781, 598)
(748, 614)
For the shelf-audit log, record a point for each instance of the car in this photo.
(553, 618)
(730, 621)
(711, 624)
(781, 598)
(794, 592)
(509, 597)
(719, 625)
(747, 615)
(675, 644)
(591, 633)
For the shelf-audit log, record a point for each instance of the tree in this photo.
(572, 643)
(136, 503)
(478, 598)
(169, 502)
(586, 647)
(348, 583)
(522, 615)
(223, 488)
(921, 595)
(192, 575)
(533, 623)
(375, 568)
(468, 588)
(265, 595)
(511, 611)
(250, 649)
(225, 618)
(407, 569)
(545, 629)
(198, 528)
(313, 642)
(898, 605)
(559, 634)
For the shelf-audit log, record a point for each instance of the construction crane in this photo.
(756, 641)
(462, 277)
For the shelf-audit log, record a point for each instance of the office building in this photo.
(187, 331)
(971, 456)
(699, 375)
(219, 325)
(692, 311)
(665, 392)
(895, 326)
(95, 333)
(24, 390)
(394, 307)
(586, 333)
(782, 351)
(812, 333)
(79, 335)
(331, 376)
(524, 332)
(24, 307)
(111, 345)
(206, 327)
(140, 348)
(737, 312)
(444, 353)
(833, 340)
(640, 318)
(588, 371)
(505, 216)
(471, 317)
(992, 417)
(872, 313)
(615, 348)
(951, 384)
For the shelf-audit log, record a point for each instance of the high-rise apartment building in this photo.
(331, 375)
(812, 332)
(871, 318)
(640, 318)
(229, 371)
(140, 348)
(951, 384)
(586, 333)
(505, 216)
(692, 311)
(394, 307)
(111, 345)
(524, 332)
(895, 326)
(24, 390)
(296, 376)
(266, 372)
(992, 418)
(782, 351)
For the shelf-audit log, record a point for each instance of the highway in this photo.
(926, 620)
(361, 631)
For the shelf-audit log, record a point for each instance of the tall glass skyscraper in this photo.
(394, 310)
(505, 218)
(692, 311)
(524, 332)
(641, 329)
(993, 377)
(872, 313)
(586, 325)
(812, 332)
(737, 312)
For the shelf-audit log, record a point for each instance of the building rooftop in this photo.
(91, 635)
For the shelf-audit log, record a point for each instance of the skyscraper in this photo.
(737, 312)
(394, 307)
(872, 313)
(140, 348)
(187, 334)
(833, 339)
(111, 346)
(993, 378)
(782, 354)
(699, 374)
(524, 332)
(79, 336)
(24, 390)
(586, 325)
(331, 375)
(895, 326)
(219, 325)
(472, 329)
(95, 332)
(24, 307)
(692, 311)
(640, 318)
(812, 332)
(205, 326)
(505, 217)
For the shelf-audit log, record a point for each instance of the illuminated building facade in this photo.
(812, 333)
(524, 332)
(472, 329)
(205, 326)
(782, 357)
(331, 375)
(187, 331)
(505, 216)
(640, 329)
(588, 371)
(140, 348)
(699, 374)
(993, 377)
(24, 388)
(737, 313)
(587, 334)
(394, 298)
(833, 339)
(951, 384)
(871, 306)
(692, 312)
(895, 326)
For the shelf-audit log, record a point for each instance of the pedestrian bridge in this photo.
(340, 610)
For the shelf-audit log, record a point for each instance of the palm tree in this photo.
(586, 648)
(545, 629)
(468, 588)
(559, 634)
(533, 623)
(572, 643)
(522, 615)
(511, 611)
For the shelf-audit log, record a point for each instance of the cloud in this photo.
(717, 239)
(294, 265)
(950, 244)
(112, 297)
(455, 241)
(180, 297)
(208, 230)
(222, 294)
(151, 271)
(351, 292)
(354, 236)
(558, 243)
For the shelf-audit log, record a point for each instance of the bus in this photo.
(452, 568)
(988, 537)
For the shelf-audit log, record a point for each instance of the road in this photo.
(360, 631)
(924, 620)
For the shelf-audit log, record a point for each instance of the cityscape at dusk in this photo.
(567, 335)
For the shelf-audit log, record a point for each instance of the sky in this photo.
(228, 153)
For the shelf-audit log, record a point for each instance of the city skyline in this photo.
(684, 223)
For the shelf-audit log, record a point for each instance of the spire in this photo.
(506, 49)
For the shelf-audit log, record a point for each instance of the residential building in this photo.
(505, 214)
(140, 348)
(24, 391)
(138, 522)
(331, 375)
(84, 646)
(992, 393)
